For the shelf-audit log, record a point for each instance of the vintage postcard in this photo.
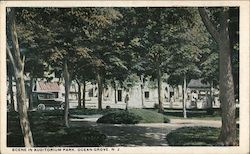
(124, 77)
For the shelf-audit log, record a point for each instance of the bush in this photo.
(149, 116)
(210, 111)
(166, 120)
(120, 117)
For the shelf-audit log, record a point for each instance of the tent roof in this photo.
(197, 84)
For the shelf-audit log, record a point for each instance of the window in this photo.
(120, 95)
(146, 94)
(56, 94)
(91, 94)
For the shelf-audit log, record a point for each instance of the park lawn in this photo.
(48, 130)
(191, 114)
(168, 113)
(195, 136)
(149, 116)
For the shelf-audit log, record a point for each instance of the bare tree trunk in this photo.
(30, 94)
(83, 95)
(184, 96)
(99, 82)
(67, 89)
(227, 98)
(12, 105)
(79, 94)
(142, 91)
(18, 67)
(160, 99)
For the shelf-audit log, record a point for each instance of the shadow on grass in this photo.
(130, 135)
(194, 136)
(48, 131)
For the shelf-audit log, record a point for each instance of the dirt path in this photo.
(146, 134)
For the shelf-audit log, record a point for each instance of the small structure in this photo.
(200, 95)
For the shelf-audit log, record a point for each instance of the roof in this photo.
(48, 86)
(197, 84)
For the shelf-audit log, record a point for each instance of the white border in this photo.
(244, 69)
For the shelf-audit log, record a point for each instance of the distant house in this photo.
(56, 88)
(198, 94)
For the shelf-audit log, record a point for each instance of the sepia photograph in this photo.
(113, 78)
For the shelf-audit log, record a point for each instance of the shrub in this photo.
(210, 111)
(120, 117)
(149, 116)
(166, 120)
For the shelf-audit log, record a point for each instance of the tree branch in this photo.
(209, 25)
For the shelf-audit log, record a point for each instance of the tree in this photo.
(218, 26)
(70, 33)
(187, 48)
(158, 39)
(18, 66)
(10, 74)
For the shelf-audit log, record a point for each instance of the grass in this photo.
(49, 131)
(149, 116)
(194, 136)
(92, 111)
(168, 113)
(191, 114)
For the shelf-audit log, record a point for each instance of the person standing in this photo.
(126, 101)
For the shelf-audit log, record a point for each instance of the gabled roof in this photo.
(197, 84)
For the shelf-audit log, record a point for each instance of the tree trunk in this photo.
(30, 94)
(211, 94)
(18, 67)
(67, 89)
(184, 96)
(99, 82)
(115, 88)
(12, 105)
(227, 98)
(83, 95)
(142, 91)
(79, 94)
(160, 99)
